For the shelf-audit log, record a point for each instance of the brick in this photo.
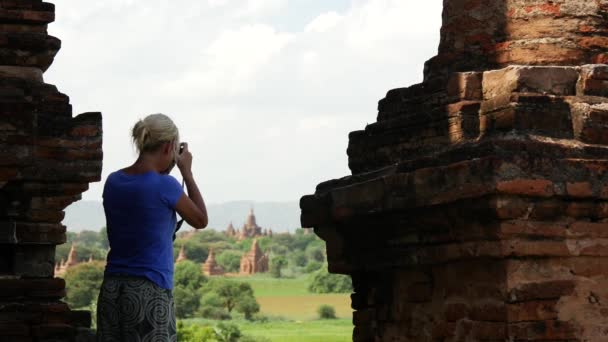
(522, 247)
(535, 310)
(33, 17)
(531, 229)
(81, 319)
(8, 173)
(14, 329)
(40, 233)
(541, 290)
(363, 333)
(581, 209)
(543, 330)
(526, 187)
(53, 330)
(455, 311)
(465, 86)
(57, 202)
(545, 80)
(489, 311)
(419, 292)
(579, 189)
(363, 317)
(547, 210)
(588, 229)
(85, 131)
(511, 207)
(23, 287)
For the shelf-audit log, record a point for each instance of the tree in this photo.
(299, 258)
(232, 296)
(186, 302)
(300, 240)
(227, 333)
(187, 278)
(312, 266)
(88, 238)
(188, 275)
(82, 283)
(194, 333)
(62, 251)
(324, 282)
(247, 305)
(315, 252)
(195, 250)
(210, 236)
(211, 307)
(279, 250)
(85, 251)
(230, 260)
(103, 238)
(276, 264)
(326, 312)
(284, 239)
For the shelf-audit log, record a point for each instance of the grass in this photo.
(302, 331)
(264, 285)
(290, 298)
(335, 330)
(304, 307)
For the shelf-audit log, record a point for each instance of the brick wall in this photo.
(477, 208)
(493, 34)
(47, 159)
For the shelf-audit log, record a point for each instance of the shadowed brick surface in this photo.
(47, 159)
(477, 208)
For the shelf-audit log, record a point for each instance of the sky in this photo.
(264, 91)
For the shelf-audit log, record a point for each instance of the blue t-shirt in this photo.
(140, 218)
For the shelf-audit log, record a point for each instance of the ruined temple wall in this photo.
(486, 269)
(482, 35)
(477, 208)
(47, 159)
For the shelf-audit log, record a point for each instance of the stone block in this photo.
(590, 122)
(465, 86)
(34, 261)
(530, 79)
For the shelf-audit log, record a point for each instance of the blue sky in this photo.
(265, 91)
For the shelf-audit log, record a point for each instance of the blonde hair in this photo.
(154, 130)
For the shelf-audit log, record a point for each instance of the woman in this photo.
(135, 301)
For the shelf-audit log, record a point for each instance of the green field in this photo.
(335, 330)
(293, 312)
(290, 298)
(264, 285)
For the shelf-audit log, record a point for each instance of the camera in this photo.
(181, 148)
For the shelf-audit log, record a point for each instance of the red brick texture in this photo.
(47, 159)
(477, 208)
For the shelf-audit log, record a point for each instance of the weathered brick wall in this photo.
(477, 208)
(492, 34)
(47, 159)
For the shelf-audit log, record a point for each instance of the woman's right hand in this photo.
(191, 207)
(184, 161)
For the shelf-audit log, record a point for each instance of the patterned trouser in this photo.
(136, 310)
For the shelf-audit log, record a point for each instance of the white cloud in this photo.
(246, 49)
(248, 8)
(230, 62)
(375, 23)
(323, 22)
(266, 111)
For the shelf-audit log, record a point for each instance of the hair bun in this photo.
(153, 130)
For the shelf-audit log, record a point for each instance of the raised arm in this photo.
(192, 206)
